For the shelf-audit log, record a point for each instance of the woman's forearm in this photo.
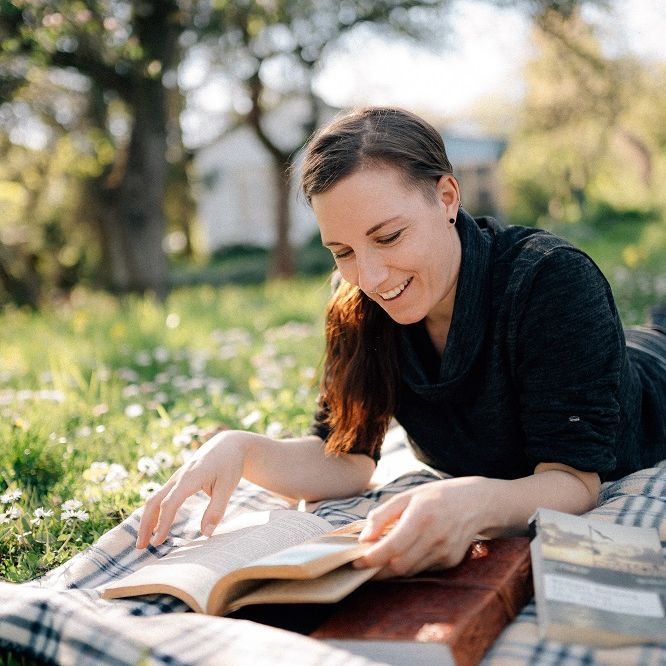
(512, 503)
(299, 468)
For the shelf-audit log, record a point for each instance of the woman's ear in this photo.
(448, 192)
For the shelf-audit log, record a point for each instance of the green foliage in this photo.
(588, 157)
(103, 398)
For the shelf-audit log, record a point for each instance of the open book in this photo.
(280, 556)
(598, 582)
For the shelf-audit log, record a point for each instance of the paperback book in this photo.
(596, 582)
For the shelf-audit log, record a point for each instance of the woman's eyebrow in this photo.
(369, 232)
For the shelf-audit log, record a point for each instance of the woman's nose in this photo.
(371, 271)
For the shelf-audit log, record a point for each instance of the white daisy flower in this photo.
(251, 418)
(134, 410)
(164, 459)
(40, 514)
(71, 505)
(11, 496)
(149, 489)
(147, 466)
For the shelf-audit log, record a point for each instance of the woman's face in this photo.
(394, 242)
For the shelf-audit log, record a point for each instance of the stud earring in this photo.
(452, 220)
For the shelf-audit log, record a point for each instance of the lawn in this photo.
(102, 399)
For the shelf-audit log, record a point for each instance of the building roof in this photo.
(469, 151)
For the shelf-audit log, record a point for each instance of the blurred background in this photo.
(151, 144)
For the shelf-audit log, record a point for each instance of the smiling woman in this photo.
(498, 349)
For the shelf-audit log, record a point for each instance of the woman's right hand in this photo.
(216, 468)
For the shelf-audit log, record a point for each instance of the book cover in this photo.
(465, 607)
(597, 582)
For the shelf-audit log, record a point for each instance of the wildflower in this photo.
(56, 396)
(116, 471)
(149, 489)
(96, 472)
(92, 494)
(11, 514)
(100, 409)
(172, 320)
(274, 429)
(249, 420)
(163, 459)
(40, 514)
(147, 466)
(182, 439)
(114, 478)
(133, 410)
(143, 359)
(71, 505)
(128, 374)
(11, 496)
(130, 391)
(71, 514)
(161, 354)
(185, 455)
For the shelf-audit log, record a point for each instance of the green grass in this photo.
(102, 398)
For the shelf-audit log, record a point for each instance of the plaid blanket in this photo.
(61, 618)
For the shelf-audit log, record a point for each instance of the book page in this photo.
(329, 588)
(196, 568)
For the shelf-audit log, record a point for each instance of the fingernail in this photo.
(365, 533)
(154, 540)
(208, 529)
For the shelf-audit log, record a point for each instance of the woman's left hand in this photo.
(434, 526)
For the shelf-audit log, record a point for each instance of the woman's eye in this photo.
(342, 255)
(387, 240)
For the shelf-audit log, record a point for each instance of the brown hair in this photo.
(359, 386)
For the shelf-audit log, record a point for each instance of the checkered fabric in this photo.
(61, 619)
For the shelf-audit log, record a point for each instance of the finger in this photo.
(401, 539)
(381, 517)
(215, 510)
(149, 516)
(170, 505)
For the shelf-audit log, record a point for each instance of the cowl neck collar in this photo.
(470, 314)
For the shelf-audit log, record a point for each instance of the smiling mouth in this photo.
(395, 292)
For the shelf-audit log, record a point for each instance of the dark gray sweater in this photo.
(535, 367)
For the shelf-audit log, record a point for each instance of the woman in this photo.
(498, 349)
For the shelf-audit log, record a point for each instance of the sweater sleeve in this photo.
(569, 355)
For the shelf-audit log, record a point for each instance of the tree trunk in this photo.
(134, 239)
(283, 254)
(135, 226)
(282, 259)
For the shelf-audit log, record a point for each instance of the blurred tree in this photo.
(121, 55)
(589, 132)
(96, 85)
